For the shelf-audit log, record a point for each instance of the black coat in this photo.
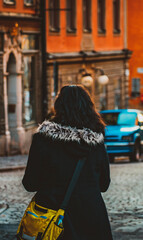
(53, 156)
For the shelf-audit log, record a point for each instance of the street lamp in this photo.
(87, 80)
(102, 78)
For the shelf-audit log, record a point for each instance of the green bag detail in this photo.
(40, 223)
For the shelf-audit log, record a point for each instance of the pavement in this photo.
(124, 198)
(10, 163)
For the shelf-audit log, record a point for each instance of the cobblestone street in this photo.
(124, 201)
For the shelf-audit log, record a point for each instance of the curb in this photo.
(12, 168)
(3, 208)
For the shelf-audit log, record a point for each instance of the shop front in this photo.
(19, 89)
(103, 74)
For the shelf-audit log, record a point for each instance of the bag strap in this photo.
(72, 183)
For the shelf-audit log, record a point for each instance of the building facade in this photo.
(85, 37)
(50, 43)
(135, 39)
(20, 74)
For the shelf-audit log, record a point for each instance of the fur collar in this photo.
(66, 133)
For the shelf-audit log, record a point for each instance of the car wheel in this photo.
(111, 159)
(136, 155)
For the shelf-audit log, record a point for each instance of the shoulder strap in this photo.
(72, 183)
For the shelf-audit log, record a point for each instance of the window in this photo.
(135, 87)
(1, 42)
(116, 16)
(28, 3)
(54, 15)
(87, 15)
(117, 93)
(119, 118)
(9, 2)
(29, 42)
(103, 97)
(71, 15)
(29, 93)
(101, 16)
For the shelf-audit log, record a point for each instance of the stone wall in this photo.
(69, 74)
(2, 117)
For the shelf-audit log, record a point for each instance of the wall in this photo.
(72, 42)
(19, 7)
(135, 43)
(2, 118)
(28, 22)
(69, 74)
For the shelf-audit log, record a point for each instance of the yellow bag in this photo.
(40, 223)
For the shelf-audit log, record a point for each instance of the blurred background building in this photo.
(47, 44)
(20, 74)
(135, 43)
(82, 37)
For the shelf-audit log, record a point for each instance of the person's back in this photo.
(56, 148)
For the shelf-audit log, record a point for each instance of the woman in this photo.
(75, 131)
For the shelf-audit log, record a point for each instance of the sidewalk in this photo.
(17, 162)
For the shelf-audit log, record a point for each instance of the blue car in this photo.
(124, 133)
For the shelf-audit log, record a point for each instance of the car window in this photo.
(127, 119)
(119, 118)
(110, 118)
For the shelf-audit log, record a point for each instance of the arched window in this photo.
(54, 15)
(71, 15)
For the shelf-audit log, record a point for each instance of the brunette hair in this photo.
(74, 107)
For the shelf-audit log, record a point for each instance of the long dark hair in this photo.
(74, 107)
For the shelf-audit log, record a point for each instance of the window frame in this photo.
(135, 87)
(54, 19)
(28, 4)
(87, 23)
(7, 3)
(32, 121)
(2, 41)
(71, 16)
(101, 11)
(36, 36)
(116, 16)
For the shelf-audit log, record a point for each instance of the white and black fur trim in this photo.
(66, 133)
